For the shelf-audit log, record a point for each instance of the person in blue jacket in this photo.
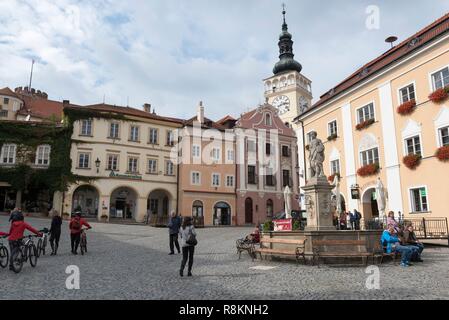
(391, 242)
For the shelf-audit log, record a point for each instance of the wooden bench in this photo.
(381, 252)
(298, 251)
(341, 249)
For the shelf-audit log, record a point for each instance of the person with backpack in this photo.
(75, 231)
(55, 232)
(173, 230)
(188, 243)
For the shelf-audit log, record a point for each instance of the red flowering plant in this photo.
(368, 170)
(332, 177)
(407, 107)
(412, 161)
(443, 153)
(332, 137)
(364, 124)
(439, 95)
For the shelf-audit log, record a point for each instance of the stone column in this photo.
(141, 209)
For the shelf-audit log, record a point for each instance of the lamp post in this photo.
(97, 164)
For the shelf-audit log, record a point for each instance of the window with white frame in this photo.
(407, 93)
(134, 133)
(43, 155)
(196, 151)
(229, 181)
(84, 160)
(365, 113)
(169, 168)
(231, 155)
(152, 166)
(215, 154)
(335, 166)
(332, 128)
(444, 136)
(153, 136)
(440, 79)
(114, 130)
(170, 138)
(133, 164)
(8, 154)
(268, 121)
(251, 146)
(86, 127)
(309, 137)
(413, 145)
(419, 202)
(370, 156)
(195, 178)
(112, 162)
(215, 179)
(3, 113)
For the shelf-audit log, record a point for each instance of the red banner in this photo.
(283, 225)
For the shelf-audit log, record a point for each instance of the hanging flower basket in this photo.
(407, 107)
(443, 153)
(439, 95)
(332, 177)
(412, 161)
(332, 137)
(368, 170)
(364, 124)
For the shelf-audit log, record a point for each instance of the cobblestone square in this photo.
(132, 262)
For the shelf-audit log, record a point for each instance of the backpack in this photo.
(191, 238)
(76, 224)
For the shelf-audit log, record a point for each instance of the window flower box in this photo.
(364, 124)
(332, 137)
(439, 95)
(368, 170)
(407, 107)
(332, 177)
(443, 154)
(412, 161)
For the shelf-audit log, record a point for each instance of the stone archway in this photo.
(85, 199)
(222, 214)
(123, 203)
(369, 204)
(158, 203)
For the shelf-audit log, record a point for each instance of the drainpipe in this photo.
(303, 149)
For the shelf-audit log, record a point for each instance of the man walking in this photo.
(173, 229)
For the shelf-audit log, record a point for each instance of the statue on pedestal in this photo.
(316, 156)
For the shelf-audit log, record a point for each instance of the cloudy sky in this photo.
(174, 53)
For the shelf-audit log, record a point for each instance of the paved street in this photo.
(131, 262)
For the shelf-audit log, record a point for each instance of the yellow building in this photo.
(381, 122)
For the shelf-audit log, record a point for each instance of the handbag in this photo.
(191, 239)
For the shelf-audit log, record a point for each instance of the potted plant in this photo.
(332, 177)
(368, 170)
(439, 95)
(407, 107)
(443, 154)
(412, 161)
(332, 137)
(364, 124)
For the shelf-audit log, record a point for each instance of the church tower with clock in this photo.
(288, 90)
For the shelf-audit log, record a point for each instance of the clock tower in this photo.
(288, 90)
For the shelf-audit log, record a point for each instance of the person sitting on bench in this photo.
(254, 236)
(391, 242)
(409, 238)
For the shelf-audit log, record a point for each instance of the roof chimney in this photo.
(65, 103)
(147, 107)
(200, 113)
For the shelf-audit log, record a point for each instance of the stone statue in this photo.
(316, 156)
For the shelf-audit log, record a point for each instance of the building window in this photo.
(215, 180)
(112, 162)
(114, 129)
(286, 151)
(133, 164)
(215, 154)
(251, 145)
(231, 156)
(86, 127)
(196, 178)
(196, 151)
(152, 166)
(268, 121)
(370, 156)
(419, 200)
(268, 150)
(332, 128)
(170, 138)
(335, 166)
(197, 209)
(309, 137)
(8, 154)
(43, 155)
(269, 177)
(365, 113)
(5, 100)
(134, 134)
(286, 181)
(229, 181)
(444, 136)
(153, 136)
(3, 113)
(251, 175)
(270, 208)
(413, 145)
(407, 93)
(440, 79)
(84, 160)
(169, 168)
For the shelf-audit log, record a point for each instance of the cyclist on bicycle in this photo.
(18, 227)
(75, 226)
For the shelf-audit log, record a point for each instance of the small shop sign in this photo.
(282, 225)
(124, 176)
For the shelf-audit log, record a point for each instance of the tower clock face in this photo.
(282, 104)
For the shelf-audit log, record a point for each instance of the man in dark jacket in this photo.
(173, 229)
(409, 238)
(55, 232)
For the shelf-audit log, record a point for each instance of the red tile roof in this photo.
(40, 107)
(8, 92)
(411, 44)
(208, 123)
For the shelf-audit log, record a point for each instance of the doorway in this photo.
(249, 211)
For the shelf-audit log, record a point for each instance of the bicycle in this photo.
(83, 241)
(27, 252)
(4, 254)
(42, 242)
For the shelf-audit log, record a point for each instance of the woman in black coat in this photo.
(55, 232)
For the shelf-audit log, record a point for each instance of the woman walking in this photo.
(188, 242)
(55, 232)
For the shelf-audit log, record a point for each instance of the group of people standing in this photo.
(179, 227)
(348, 220)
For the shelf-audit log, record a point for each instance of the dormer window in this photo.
(268, 120)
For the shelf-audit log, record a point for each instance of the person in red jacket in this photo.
(75, 231)
(18, 227)
(2, 234)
